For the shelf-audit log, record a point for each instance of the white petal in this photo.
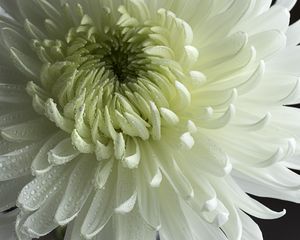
(289, 4)
(233, 228)
(13, 39)
(7, 147)
(33, 130)
(201, 229)
(33, 30)
(287, 61)
(17, 163)
(251, 230)
(174, 174)
(41, 222)
(25, 63)
(205, 197)
(249, 185)
(219, 216)
(126, 191)
(9, 191)
(156, 122)
(276, 18)
(219, 161)
(248, 204)
(268, 43)
(81, 144)
(10, 7)
(293, 34)
(40, 163)
(187, 140)
(63, 152)
(184, 98)
(49, 10)
(103, 151)
(34, 195)
(138, 124)
(174, 223)
(29, 10)
(128, 205)
(133, 150)
(54, 115)
(198, 78)
(12, 93)
(119, 146)
(97, 216)
(215, 52)
(148, 201)
(153, 174)
(103, 173)
(219, 25)
(169, 116)
(16, 117)
(78, 190)
(132, 227)
(73, 229)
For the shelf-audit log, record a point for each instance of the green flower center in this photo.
(111, 85)
(123, 61)
(89, 61)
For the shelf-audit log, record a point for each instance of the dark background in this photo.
(287, 227)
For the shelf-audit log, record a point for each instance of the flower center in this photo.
(118, 62)
(122, 61)
(109, 86)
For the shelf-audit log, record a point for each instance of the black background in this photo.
(287, 227)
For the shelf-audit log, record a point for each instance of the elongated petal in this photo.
(98, 216)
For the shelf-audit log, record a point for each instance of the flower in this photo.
(121, 118)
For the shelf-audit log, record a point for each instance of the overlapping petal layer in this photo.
(139, 116)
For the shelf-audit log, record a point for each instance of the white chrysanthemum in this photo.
(138, 116)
